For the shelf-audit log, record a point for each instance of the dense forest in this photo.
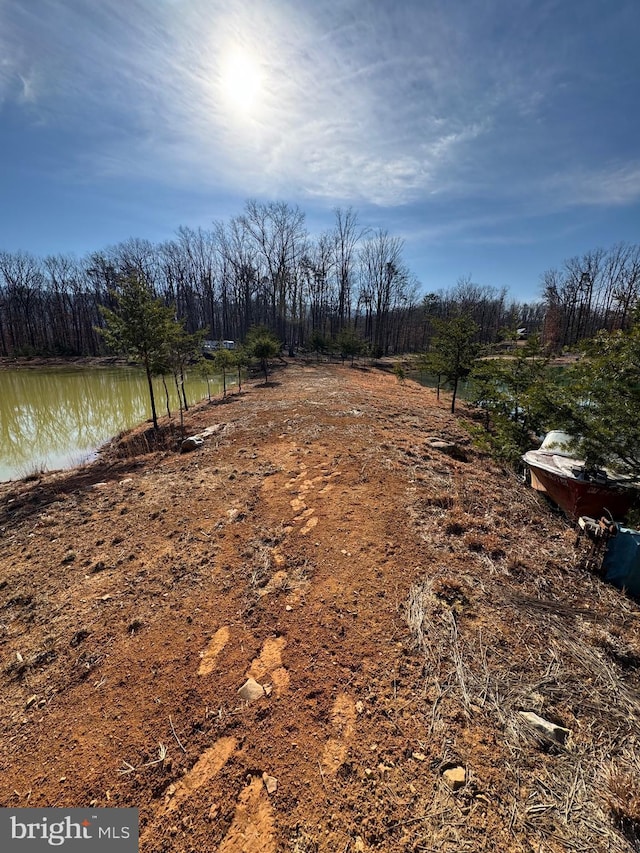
(263, 267)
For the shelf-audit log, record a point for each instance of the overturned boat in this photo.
(576, 489)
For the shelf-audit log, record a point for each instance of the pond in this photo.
(53, 418)
(430, 380)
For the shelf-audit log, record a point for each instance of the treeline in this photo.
(263, 268)
(587, 294)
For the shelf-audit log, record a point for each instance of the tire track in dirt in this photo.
(206, 768)
(302, 485)
(269, 664)
(210, 654)
(343, 719)
(253, 827)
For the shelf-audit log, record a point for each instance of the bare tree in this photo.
(346, 236)
(381, 274)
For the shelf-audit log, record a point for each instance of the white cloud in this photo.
(612, 185)
(382, 103)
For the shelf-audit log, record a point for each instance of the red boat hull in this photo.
(582, 497)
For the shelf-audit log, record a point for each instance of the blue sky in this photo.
(497, 137)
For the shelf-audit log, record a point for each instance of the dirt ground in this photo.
(398, 602)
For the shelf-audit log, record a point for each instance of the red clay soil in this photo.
(399, 602)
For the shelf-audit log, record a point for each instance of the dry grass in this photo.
(542, 645)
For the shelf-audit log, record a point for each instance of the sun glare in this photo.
(241, 82)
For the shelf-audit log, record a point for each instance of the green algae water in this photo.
(52, 418)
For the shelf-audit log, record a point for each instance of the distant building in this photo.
(212, 346)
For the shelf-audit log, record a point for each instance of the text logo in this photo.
(32, 830)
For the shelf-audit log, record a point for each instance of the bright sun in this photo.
(241, 82)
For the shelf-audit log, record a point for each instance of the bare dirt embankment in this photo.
(400, 607)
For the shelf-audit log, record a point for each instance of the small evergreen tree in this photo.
(453, 351)
(262, 345)
(598, 401)
(224, 361)
(139, 327)
(512, 392)
(183, 349)
(318, 343)
(350, 344)
(241, 360)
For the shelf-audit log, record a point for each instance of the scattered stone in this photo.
(210, 430)
(360, 707)
(550, 730)
(191, 443)
(419, 756)
(195, 441)
(69, 557)
(251, 690)
(449, 448)
(455, 777)
(31, 700)
(288, 608)
(270, 783)
(368, 773)
(359, 845)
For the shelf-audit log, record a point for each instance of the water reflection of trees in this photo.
(53, 417)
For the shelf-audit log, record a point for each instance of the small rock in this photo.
(213, 811)
(288, 608)
(251, 690)
(31, 700)
(455, 777)
(550, 730)
(449, 448)
(418, 756)
(191, 443)
(270, 783)
(368, 773)
(69, 557)
(359, 845)
(360, 707)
